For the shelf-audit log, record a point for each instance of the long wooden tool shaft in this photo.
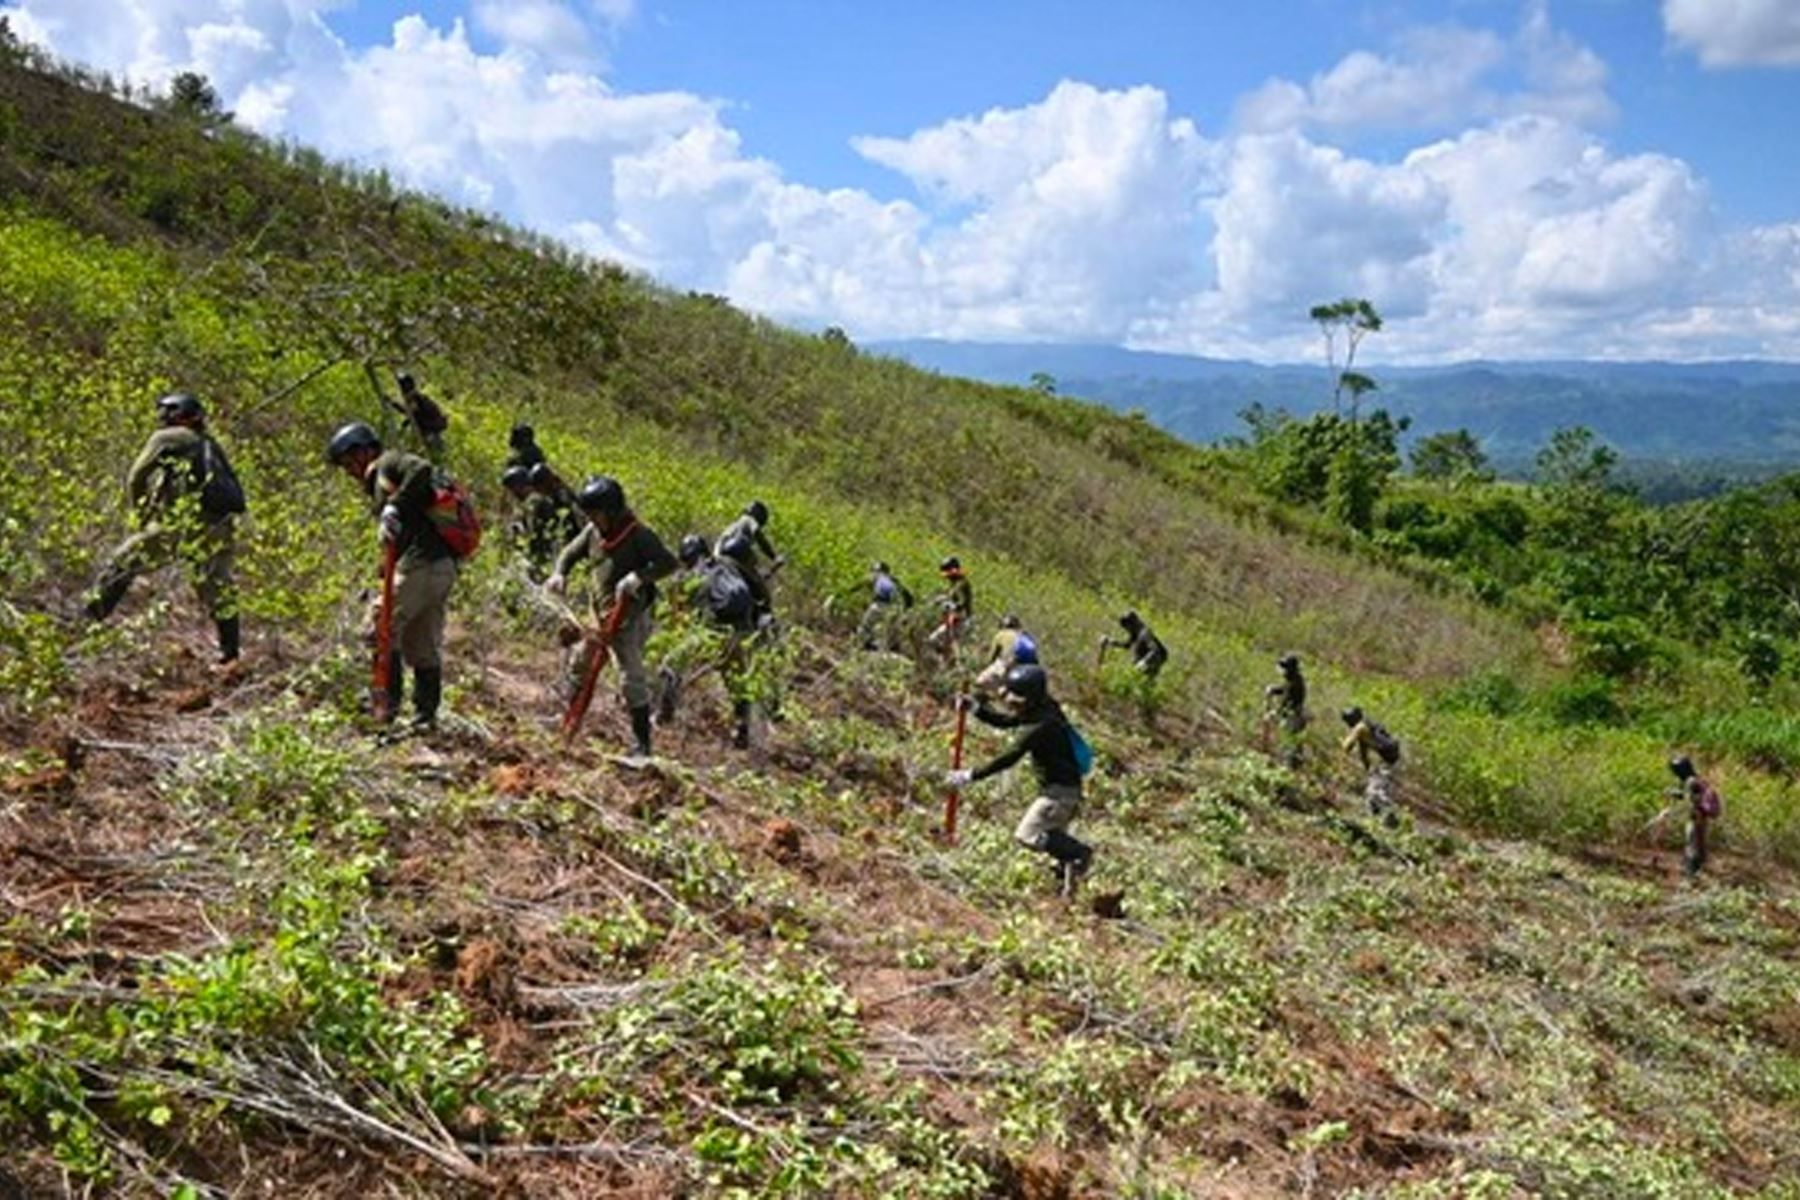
(953, 799)
(602, 646)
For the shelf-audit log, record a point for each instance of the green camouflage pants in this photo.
(207, 552)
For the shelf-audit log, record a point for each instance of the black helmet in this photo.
(1131, 620)
(693, 549)
(404, 380)
(349, 438)
(1352, 715)
(1683, 766)
(757, 511)
(179, 406)
(539, 474)
(1029, 682)
(521, 435)
(880, 568)
(515, 479)
(950, 564)
(602, 493)
(737, 547)
(1010, 621)
(1288, 662)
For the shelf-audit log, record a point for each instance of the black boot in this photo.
(106, 595)
(229, 639)
(740, 735)
(640, 730)
(1073, 855)
(428, 689)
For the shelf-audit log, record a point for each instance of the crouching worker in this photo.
(629, 559)
(1379, 752)
(402, 489)
(1011, 647)
(1046, 735)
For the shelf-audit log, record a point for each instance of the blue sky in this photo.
(1505, 178)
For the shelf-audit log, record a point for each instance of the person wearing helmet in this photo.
(401, 488)
(1148, 654)
(186, 499)
(957, 601)
(522, 448)
(1703, 807)
(715, 589)
(1044, 733)
(547, 514)
(1284, 708)
(1379, 752)
(629, 559)
(742, 542)
(876, 629)
(424, 414)
(1011, 647)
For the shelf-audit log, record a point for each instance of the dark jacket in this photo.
(639, 550)
(1044, 735)
(409, 483)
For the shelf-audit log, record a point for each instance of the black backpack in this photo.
(1386, 744)
(725, 594)
(221, 495)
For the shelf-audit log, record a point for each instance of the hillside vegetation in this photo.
(245, 947)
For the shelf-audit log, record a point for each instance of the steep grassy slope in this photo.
(246, 947)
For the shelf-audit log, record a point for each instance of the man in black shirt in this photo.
(1045, 735)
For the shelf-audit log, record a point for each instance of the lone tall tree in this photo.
(1355, 319)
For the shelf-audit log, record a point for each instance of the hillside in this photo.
(1725, 412)
(249, 948)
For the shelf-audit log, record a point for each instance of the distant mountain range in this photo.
(1681, 412)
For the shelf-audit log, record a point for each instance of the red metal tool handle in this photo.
(953, 799)
(602, 645)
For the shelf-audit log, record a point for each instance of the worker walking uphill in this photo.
(1011, 647)
(1057, 758)
(1284, 707)
(628, 560)
(186, 499)
(717, 590)
(876, 629)
(522, 448)
(1148, 654)
(423, 413)
(405, 491)
(957, 601)
(1379, 752)
(548, 516)
(1703, 808)
(743, 540)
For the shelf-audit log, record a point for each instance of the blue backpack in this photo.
(1025, 648)
(1084, 753)
(885, 589)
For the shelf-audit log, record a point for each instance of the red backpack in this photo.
(1708, 803)
(453, 515)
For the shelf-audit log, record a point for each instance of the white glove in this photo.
(390, 523)
(959, 778)
(628, 586)
(555, 585)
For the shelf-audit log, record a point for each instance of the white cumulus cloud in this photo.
(1086, 213)
(1736, 33)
